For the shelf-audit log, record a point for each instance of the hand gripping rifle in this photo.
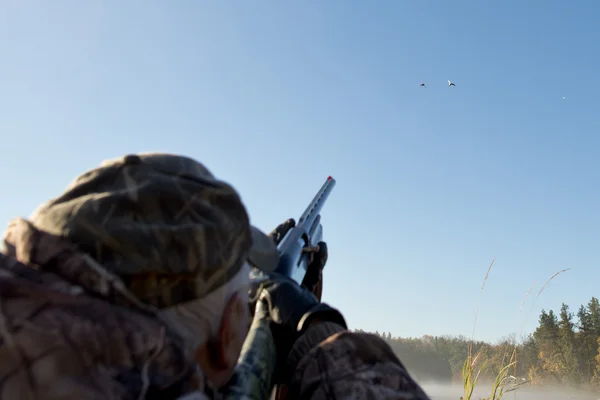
(253, 378)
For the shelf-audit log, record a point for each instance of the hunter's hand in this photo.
(318, 258)
(279, 232)
(314, 271)
(292, 308)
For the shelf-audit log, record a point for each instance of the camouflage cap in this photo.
(162, 222)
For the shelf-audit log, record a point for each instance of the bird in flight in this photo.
(423, 85)
(450, 83)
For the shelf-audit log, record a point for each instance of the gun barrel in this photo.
(315, 206)
(292, 261)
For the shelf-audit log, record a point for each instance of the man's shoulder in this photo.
(356, 349)
(354, 365)
(83, 336)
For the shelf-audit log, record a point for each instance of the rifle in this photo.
(253, 378)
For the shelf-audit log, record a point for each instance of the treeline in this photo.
(564, 349)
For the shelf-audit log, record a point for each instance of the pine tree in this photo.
(587, 342)
(567, 346)
(596, 379)
(547, 340)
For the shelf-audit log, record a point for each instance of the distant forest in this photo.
(564, 349)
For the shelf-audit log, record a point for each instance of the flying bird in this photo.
(423, 85)
(450, 83)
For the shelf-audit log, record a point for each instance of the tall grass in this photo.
(471, 370)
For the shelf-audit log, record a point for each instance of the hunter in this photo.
(134, 284)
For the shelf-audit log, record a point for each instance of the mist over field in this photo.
(446, 391)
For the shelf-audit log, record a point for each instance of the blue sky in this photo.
(432, 183)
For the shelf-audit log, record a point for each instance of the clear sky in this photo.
(432, 183)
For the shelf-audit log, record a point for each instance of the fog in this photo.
(438, 391)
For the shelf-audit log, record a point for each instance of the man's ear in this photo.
(224, 350)
(231, 330)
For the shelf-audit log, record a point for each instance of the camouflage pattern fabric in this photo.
(348, 365)
(163, 223)
(67, 331)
